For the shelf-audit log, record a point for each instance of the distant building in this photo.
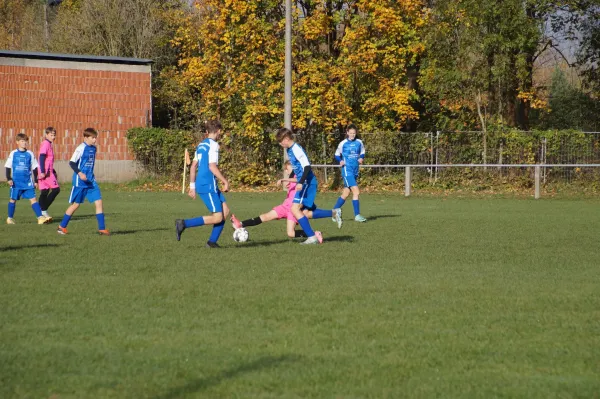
(71, 93)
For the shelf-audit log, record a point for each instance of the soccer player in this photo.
(47, 177)
(280, 211)
(84, 183)
(204, 183)
(350, 154)
(306, 187)
(21, 177)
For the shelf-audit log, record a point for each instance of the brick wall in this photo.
(72, 99)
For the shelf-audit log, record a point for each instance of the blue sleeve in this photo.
(74, 166)
(43, 163)
(338, 158)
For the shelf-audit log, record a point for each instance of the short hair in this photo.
(287, 162)
(90, 132)
(283, 133)
(213, 126)
(49, 130)
(22, 136)
(350, 127)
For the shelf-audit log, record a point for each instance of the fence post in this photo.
(537, 181)
(407, 179)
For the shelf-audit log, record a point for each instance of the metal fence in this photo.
(496, 157)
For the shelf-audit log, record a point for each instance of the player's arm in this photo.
(338, 154)
(9, 179)
(8, 166)
(74, 161)
(42, 169)
(215, 171)
(362, 153)
(193, 169)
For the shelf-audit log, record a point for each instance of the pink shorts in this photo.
(284, 212)
(48, 182)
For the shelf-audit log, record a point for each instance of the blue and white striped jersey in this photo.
(22, 164)
(207, 152)
(299, 160)
(350, 151)
(85, 158)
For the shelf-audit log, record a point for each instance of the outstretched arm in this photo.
(193, 169)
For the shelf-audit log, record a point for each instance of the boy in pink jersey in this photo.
(47, 177)
(280, 211)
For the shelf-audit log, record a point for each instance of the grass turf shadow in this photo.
(19, 247)
(375, 217)
(86, 216)
(125, 232)
(205, 383)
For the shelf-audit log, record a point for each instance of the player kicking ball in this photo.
(204, 173)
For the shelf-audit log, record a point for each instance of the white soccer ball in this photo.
(240, 235)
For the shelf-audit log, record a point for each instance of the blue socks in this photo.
(216, 231)
(65, 221)
(356, 206)
(303, 222)
(37, 209)
(340, 202)
(194, 222)
(321, 213)
(11, 209)
(100, 218)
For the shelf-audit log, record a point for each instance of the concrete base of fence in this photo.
(105, 171)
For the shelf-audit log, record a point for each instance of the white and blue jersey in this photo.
(350, 151)
(299, 160)
(207, 152)
(22, 164)
(85, 158)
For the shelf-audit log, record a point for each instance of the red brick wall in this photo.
(70, 100)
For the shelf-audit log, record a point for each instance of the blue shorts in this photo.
(350, 180)
(306, 196)
(18, 193)
(80, 194)
(213, 201)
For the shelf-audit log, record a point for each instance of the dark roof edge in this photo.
(74, 57)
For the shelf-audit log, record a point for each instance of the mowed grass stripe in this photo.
(431, 297)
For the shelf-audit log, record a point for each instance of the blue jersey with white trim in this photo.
(85, 158)
(350, 151)
(22, 164)
(207, 152)
(298, 160)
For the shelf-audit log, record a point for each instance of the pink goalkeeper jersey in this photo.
(50, 180)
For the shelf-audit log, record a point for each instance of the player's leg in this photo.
(356, 204)
(12, 205)
(50, 199)
(263, 218)
(30, 195)
(76, 198)
(218, 226)
(43, 200)
(94, 196)
(291, 228)
(305, 198)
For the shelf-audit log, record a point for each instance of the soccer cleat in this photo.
(311, 240)
(210, 244)
(337, 214)
(235, 222)
(360, 218)
(179, 227)
(43, 220)
(319, 236)
(104, 232)
(61, 230)
(10, 221)
(333, 211)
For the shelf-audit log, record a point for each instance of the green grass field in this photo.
(433, 297)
